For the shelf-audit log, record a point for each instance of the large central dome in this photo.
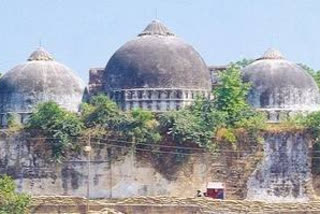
(156, 71)
(156, 59)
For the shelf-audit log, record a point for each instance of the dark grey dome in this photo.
(38, 80)
(280, 84)
(156, 59)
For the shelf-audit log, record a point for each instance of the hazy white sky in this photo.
(85, 33)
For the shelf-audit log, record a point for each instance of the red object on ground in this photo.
(215, 190)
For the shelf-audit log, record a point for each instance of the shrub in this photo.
(58, 125)
(216, 119)
(102, 112)
(230, 96)
(195, 124)
(182, 126)
(10, 201)
(143, 127)
(13, 122)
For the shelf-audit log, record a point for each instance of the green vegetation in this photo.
(57, 125)
(205, 123)
(311, 123)
(143, 127)
(190, 126)
(13, 121)
(230, 95)
(10, 201)
(103, 114)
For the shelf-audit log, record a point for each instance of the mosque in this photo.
(156, 71)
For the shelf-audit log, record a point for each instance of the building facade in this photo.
(155, 71)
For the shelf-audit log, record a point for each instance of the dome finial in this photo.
(156, 28)
(272, 53)
(40, 55)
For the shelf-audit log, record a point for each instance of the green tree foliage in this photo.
(58, 125)
(228, 110)
(194, 124)
(13, 122)
(182, 126)
(138, 125)
(143, 126)
(312, 123)
(102, 112)
(198, 123)
(210, 116)
(10, 201)
(230, 96)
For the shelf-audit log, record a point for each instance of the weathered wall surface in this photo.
(116, 172)
(285, 171)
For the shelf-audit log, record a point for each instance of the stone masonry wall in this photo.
(285, 171)
(117, 172)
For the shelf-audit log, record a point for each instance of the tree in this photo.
(182, 126)
(230, 96)
(102, 112)
(200, 122)
(10, 201)
(194, 124)
(58, 125)
(143, 126)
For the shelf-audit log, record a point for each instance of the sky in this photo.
(85, 33)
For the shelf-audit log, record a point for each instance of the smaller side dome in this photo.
(38, 80)
(280, 85)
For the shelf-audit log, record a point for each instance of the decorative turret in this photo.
(156, 28)
(40, 55)
(272, 53)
